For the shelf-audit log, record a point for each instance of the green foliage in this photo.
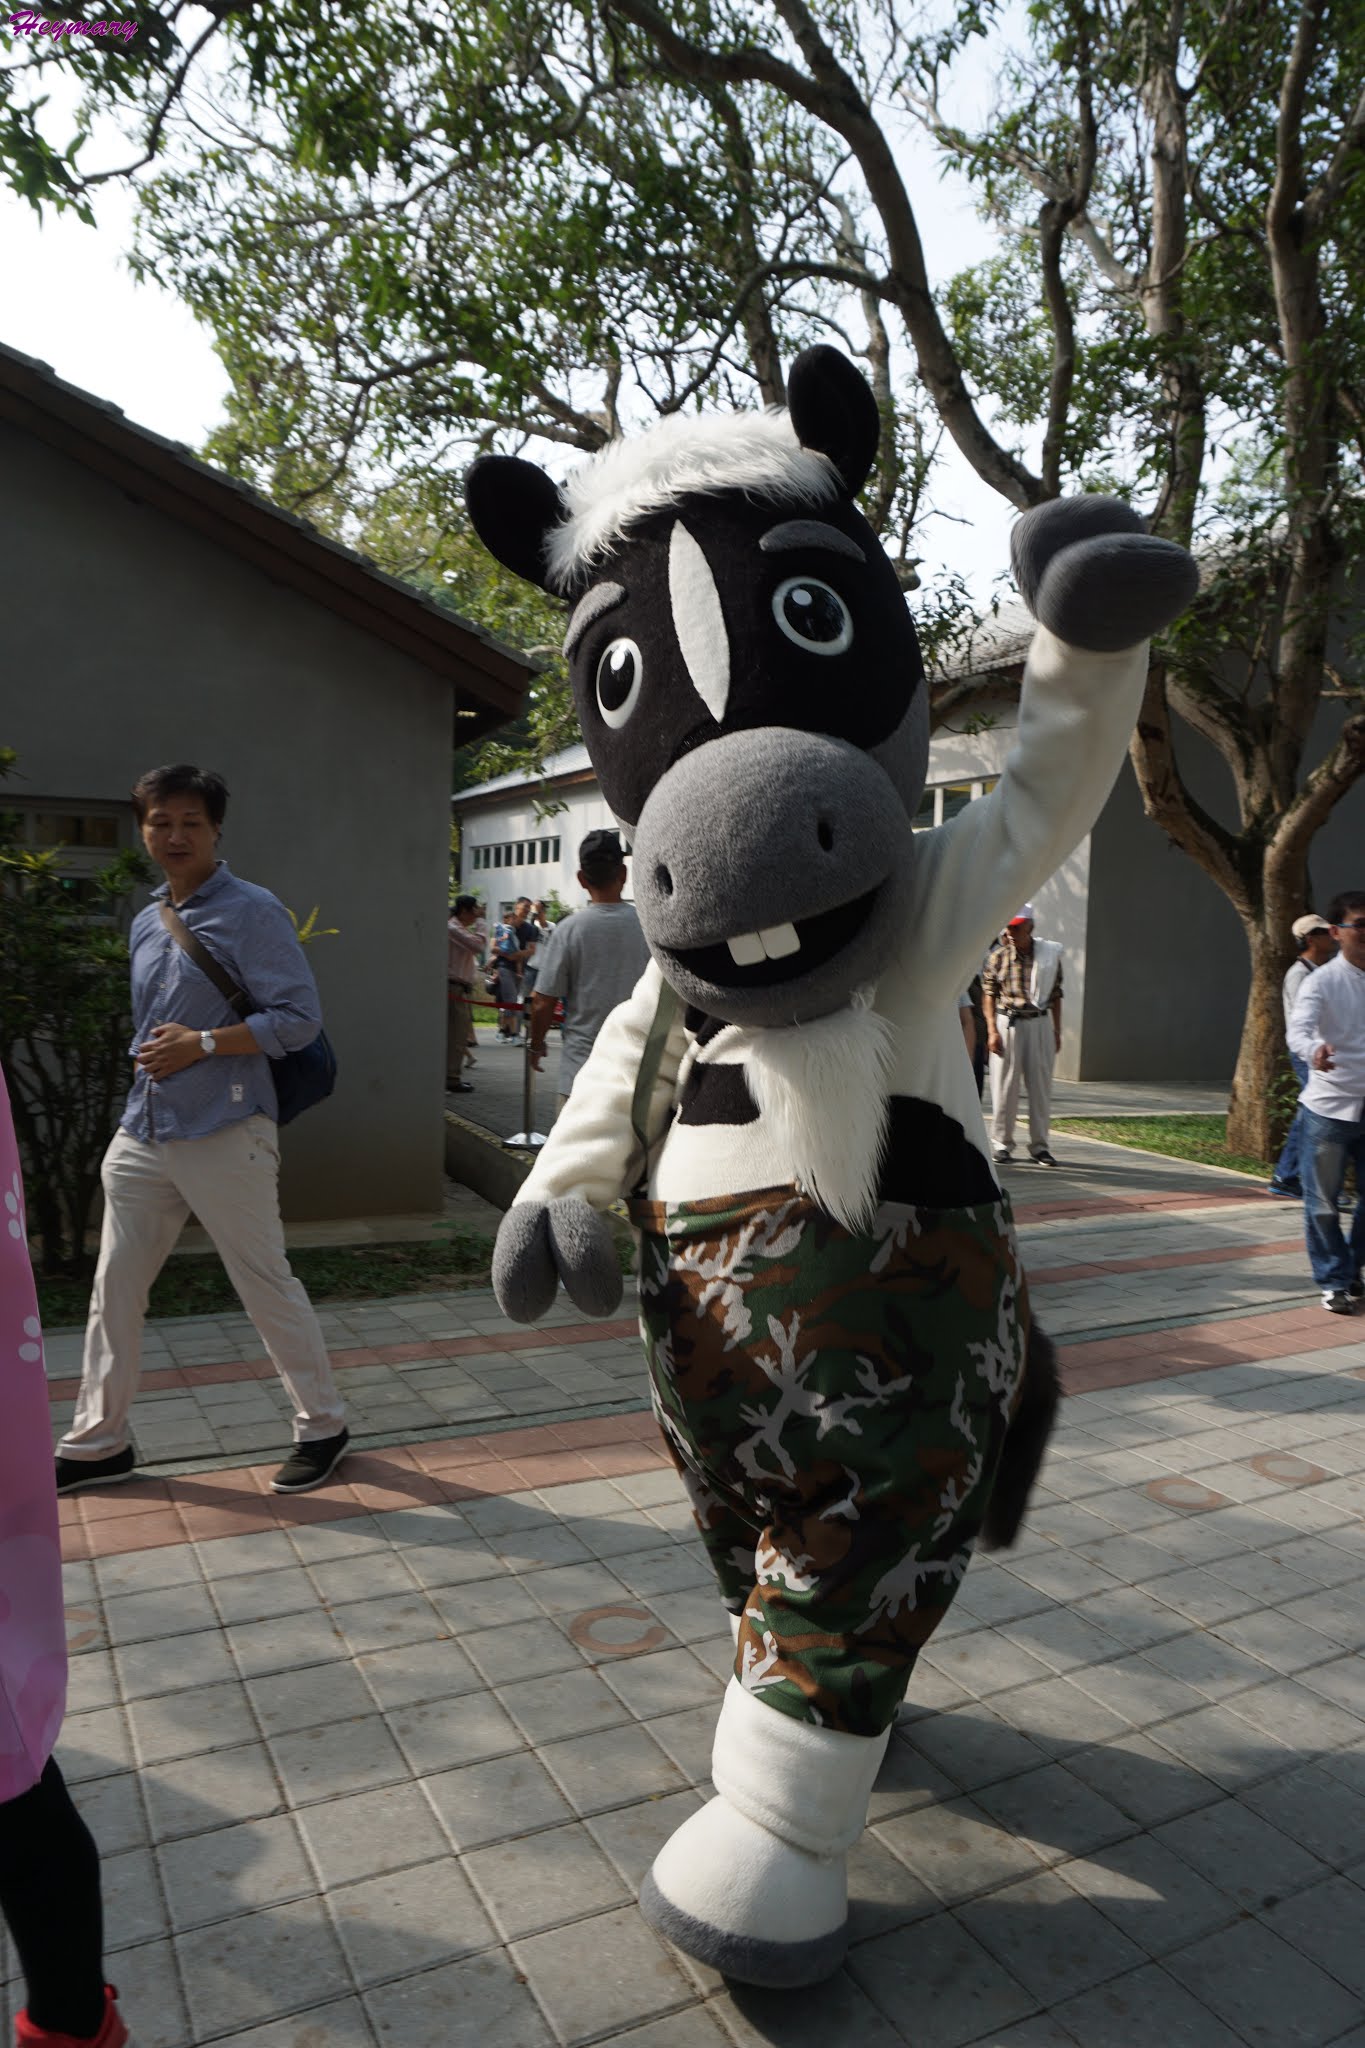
(308, 931)
(65, 1029)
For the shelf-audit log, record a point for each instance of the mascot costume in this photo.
(831, 1299)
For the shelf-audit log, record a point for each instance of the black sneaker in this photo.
(1356, 1290)
(1284, 1191)
(75, 1473)
(1043, 1158)
(1001, 1153)
(310, 1465)
(1337, 1302)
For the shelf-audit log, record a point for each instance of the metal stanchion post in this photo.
(527, 1139)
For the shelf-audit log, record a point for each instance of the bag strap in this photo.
(666, 1010)
(236, 998)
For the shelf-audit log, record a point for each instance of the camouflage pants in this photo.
(836, 1405)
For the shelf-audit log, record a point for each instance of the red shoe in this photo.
(112, 2033)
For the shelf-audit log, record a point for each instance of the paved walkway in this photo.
(382, 1767)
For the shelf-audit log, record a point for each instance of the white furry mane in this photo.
(825, 1086)
(679, 457)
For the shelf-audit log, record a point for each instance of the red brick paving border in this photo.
(147, 1514)
(1200, 1347)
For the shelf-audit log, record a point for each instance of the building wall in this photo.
(129, 641)
(514, 820)
(1167, 952)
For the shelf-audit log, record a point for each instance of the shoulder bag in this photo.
(301, 1078)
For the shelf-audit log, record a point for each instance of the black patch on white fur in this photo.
(717, 1094)
(930, 1162)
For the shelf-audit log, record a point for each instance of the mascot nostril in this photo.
(831, 1297)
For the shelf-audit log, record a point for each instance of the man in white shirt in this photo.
(592, 959)
(1021, 995)
(1316, 947)
(1327, 1031)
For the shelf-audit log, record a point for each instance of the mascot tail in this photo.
(1025, 1443)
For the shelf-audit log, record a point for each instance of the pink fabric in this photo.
(32, 1625)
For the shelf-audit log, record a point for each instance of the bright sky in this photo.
(74, 304)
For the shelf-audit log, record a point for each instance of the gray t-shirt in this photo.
(593, 960)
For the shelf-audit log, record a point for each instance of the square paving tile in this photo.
(956, 1849)
(1151, 1894)
(112, 1810)
(260, 1965)
(94, 1744)
(133, 1908)
(571, 1703)
(632, 1836)
(286, 1643)
(611, 1768)
(234, 1870)
(438, 1736)
(1240, 1852)
(314, 1697)
(409, 1920)
(339, 1757)
(975, 1746)
(1269, 1994)
(1054, 1813)
(369, 1832)
(1143, 2005)
(175, 1664)
(474, 2004)
(1327, 1923)
(437, 1670)
(935, 1971)
(342, 2025)
(540, 1880)
(1048, 1936)
(1316, 1810)
(521, 1650)
(244, 1597)
(489, 1802)
(612, 1975)
(190, 1795)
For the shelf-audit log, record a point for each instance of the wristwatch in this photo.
(208, 1042)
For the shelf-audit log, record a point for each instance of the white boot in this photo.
(756, 1884)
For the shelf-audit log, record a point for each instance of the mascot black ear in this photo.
(512, 507)
(834, 412)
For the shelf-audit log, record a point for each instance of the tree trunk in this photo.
(1255, 1115)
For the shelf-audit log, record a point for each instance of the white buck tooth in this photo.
(747, 950)
(779, 940)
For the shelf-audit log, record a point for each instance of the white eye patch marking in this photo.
(698, 621)
(809, 533)
(603, 597)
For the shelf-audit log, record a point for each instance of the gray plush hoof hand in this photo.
(541, 1243)
(1090, 572)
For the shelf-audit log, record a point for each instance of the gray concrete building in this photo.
(154, 610)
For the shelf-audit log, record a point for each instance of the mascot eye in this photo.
(813, 616)
(620, 673)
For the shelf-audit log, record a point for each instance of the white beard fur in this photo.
(826, 1088)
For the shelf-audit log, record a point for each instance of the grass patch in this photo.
(198, 1286)
(1203, 1138)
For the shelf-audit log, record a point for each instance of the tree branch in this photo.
(833, 98)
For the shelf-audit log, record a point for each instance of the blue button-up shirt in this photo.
(250, 932)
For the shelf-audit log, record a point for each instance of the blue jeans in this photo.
(1328, 1142)
(1288, 1170)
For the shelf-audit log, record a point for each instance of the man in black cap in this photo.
(592, 959)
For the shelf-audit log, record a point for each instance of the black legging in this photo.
(50, 1896)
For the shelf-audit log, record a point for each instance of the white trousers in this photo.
(231, 1182)
(1029, 1056)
